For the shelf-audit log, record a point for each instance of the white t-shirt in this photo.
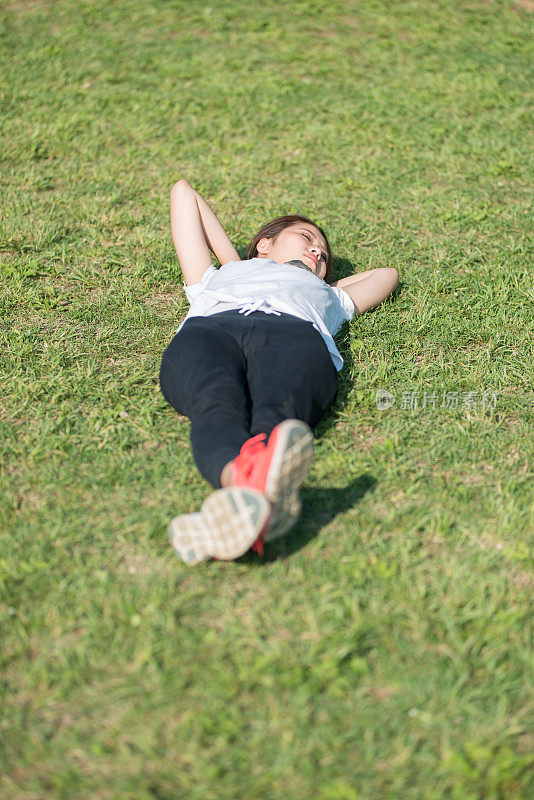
(261, 284)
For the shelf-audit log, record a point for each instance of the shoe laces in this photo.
(244, 462)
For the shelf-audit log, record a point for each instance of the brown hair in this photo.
(272, 229)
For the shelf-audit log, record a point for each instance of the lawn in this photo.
(383, 649)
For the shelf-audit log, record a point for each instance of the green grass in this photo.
(382, 649)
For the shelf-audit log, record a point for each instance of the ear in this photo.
(264, 246)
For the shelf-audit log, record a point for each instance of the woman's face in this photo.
(300, 242)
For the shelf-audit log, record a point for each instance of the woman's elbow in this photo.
(393, 275)
(180, 186)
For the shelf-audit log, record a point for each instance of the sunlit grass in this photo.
(382, 649)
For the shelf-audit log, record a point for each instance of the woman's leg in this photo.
(203, 376)
(291, 376)
(290, 372)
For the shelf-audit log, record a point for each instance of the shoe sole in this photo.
(229, 522)
(291, 461)
(283, 518)
(290, 464)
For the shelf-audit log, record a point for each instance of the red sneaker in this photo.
(277, 469)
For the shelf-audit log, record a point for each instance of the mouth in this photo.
(312, 259)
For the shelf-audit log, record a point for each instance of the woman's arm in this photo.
(195, 231)
(358, 276)
(369, 289)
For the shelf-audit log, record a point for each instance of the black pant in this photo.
(235, 376)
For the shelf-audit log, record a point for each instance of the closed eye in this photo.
(309, 238)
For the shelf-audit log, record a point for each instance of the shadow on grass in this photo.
(319, 508)
(342, 268)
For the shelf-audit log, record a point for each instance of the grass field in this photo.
(383, 649)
